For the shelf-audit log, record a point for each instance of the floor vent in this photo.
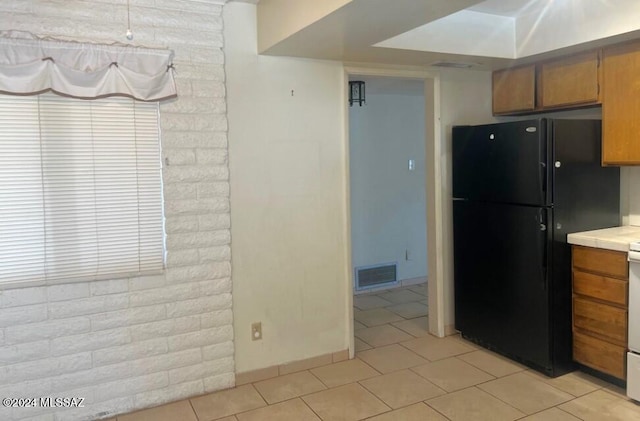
(376, 276)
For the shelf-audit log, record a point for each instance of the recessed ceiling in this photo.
(520, 28)
(485, 34)
(510, 8)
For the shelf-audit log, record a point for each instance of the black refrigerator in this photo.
(518, 189)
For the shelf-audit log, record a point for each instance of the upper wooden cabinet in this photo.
(570, 81)
(514, 90)
(567, 82)
(621, 105)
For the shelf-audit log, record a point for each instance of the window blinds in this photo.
(80, 189)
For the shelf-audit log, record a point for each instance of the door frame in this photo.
(437, 255)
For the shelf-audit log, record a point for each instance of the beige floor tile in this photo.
(382, 335)
(345, 403)
(419, 289)
(287, 387)
(294, 409)
(452, 374)
(571, 383)
(494, 364)
(391, 358)
(344, 372)
(361, 345)
(417, 327)
(409, 310)
(434, 349)
(401, 296)
(594, 381)
(552, 414)
(368, 302)
(525, 393)
(615, 390)
(174, 411)
(402, 388)
(376, 317)
(417, 412)
(227, 402)
(231, 418)
(474, 404)
(468, 343)
(357, 325)
(602, 406)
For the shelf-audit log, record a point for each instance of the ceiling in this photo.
(480, 34)
(508, 8)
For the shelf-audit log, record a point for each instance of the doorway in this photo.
(388, 204)
(387, 246)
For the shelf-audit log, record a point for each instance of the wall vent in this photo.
(453, 64)
(376, 276)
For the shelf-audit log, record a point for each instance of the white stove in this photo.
(633, 356)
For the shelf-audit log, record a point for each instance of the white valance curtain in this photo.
(82, 70)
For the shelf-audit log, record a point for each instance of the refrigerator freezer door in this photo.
(501, 294)
(586, 196)
(504, 163)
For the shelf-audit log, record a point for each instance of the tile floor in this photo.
(402, 373)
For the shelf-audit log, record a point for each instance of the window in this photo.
(80, 189)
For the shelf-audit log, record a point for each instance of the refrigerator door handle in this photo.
(542, 179)
(542, 215)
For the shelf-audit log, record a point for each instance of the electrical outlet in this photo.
(256, 331)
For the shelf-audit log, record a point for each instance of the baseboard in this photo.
(290, 367)
(413, 281)
(450, 330)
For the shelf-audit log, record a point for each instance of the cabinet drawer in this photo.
(601, 319)
(599, 355)
(606, 262)
(600, 287)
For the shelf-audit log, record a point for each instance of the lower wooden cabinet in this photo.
(600, 320)
(600, 355)
(600, 309)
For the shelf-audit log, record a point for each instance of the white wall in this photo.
(288, 184)
(388, 202)
(127, 344)
(630, 194)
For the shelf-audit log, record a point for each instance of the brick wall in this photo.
(127, 344)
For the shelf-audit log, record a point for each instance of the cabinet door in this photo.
(606, 262)
(598, 354)
(602, 320)
(570, 81)
(600, 287)
(514, 90)
(621, 105)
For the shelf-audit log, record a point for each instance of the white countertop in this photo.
(617, 238)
